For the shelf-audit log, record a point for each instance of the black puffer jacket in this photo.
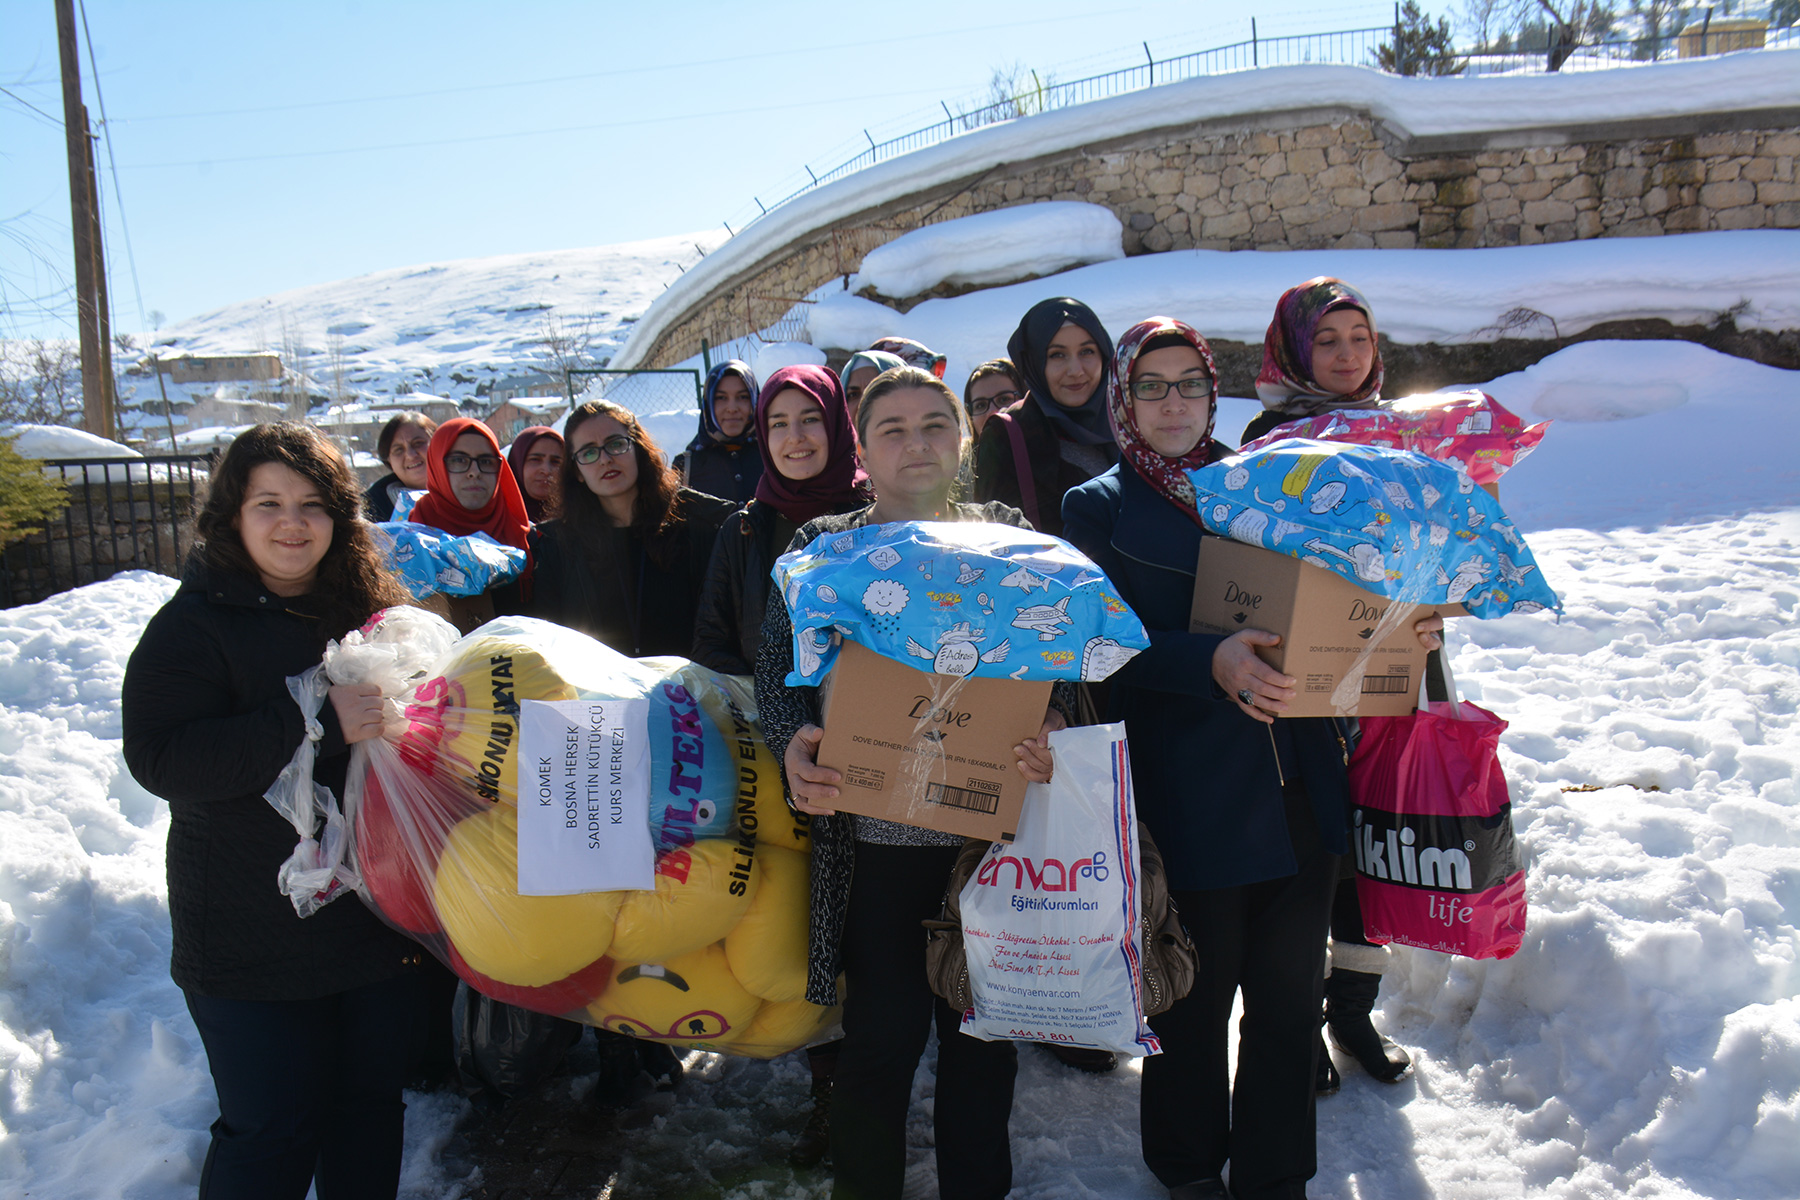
(729, 627)
(618, 590)
(731, 473)
(208, 725)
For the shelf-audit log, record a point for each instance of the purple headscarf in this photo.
(842, 482)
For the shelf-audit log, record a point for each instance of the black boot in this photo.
(1349, 999)
(1094, 1062)
(814, 1142)
(1326, 1081)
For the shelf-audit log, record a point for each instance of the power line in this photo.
(56, 121)
(113, 165)
(936, 35)
(494, 137)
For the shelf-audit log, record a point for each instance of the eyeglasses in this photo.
(616, 446)
(456, 462)
(409, 448)
(1157, 389)
(981, 407)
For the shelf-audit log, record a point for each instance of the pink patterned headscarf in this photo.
(1167, 475)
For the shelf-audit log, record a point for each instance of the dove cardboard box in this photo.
(928, 749)
(1330, 629)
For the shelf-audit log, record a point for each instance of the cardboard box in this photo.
(927, 749)
(1327, 626)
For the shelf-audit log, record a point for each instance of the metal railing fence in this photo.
(123, 514)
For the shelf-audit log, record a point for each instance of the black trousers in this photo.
(888, 1013)
(1267, 939)
(309, 1090)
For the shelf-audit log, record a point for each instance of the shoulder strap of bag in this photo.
(1021, 466)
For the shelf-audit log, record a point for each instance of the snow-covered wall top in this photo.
(1411, 108)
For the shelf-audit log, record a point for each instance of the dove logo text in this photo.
(1237, 595)
(924, 710)
(1364, 612)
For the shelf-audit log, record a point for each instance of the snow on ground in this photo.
(1418, 295)
(1645, 1041)
(1002, 246)
(482, 318)
(1418, 106)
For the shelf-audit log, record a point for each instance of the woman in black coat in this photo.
(721, 461)
(401, 446)
(624, 560)
(810, 468)
(1056, 437)
(306, 1023)
(1251, 813)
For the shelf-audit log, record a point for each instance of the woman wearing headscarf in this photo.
(535, 458)
(1320, 353)
(860, 371)
(721, 460)
(810, 469)
(470, 489)
(1055, 438)
(1251, 822)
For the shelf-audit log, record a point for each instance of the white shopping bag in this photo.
(1051, 919)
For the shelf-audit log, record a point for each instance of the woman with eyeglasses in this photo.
(992, 387)
(1251, 821)
(402, 446)
(1057, 439)
(625, 560)
(470, 489)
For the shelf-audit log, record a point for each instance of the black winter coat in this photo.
(1206, 776)
(997, 471)
(618, 592)
(208, 725)
(729, 628)
(378, 501)
(729, 474)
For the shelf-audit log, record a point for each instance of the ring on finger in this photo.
(1244, 697)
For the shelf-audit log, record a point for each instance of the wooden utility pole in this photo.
(84, 224)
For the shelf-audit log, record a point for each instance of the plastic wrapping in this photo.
(1051, 919)
(1469, 431)
(956, 598)
(1397, 523)
(712, 956)
(429, 561)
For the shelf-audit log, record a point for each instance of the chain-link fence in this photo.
(643, 392)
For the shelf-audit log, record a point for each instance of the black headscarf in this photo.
(709, 433)
(1029, 347)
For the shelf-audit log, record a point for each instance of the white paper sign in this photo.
(584, 797)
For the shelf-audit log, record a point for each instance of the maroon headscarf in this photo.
(515, 459)
(1286, 384)
(843, 480)
(1167, 475)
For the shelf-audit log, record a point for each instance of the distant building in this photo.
(534, 385)
(262, 367)
(515, 415)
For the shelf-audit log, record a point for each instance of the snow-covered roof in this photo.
(59, 441)
(1414, 107)
(1002, 246)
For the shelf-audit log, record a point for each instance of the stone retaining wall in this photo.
(1325, 179)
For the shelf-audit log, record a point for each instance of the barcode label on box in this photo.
(964, 798)
(1386, 685)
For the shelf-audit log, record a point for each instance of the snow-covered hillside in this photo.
(449, 328)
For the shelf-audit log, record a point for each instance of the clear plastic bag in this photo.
(713, 956)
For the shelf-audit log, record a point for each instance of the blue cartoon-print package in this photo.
(1392, 521)
(957, 598)
(428, 560)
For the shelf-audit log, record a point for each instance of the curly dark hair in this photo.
(656, 510)
(352, 582)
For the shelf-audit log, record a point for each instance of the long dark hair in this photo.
(352, 582)
(654, 512)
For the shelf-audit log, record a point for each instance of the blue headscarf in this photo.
(710, 434)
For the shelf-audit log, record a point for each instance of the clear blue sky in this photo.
(263, 146)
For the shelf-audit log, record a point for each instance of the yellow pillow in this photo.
(701, 893)
(525, 940)
(690, 1000)
(780, 1027)
(767, 949)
